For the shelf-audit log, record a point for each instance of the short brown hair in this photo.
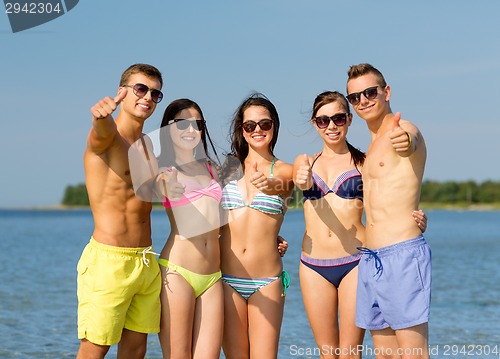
(356, 71)
(148, 70)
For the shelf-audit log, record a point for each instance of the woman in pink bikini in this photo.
(191, 296)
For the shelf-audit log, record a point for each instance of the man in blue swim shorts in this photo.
(119, 279)
(394, 284)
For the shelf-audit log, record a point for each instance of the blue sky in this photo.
(441, 58)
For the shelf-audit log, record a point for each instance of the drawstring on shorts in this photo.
(378, 263)
(145, 251)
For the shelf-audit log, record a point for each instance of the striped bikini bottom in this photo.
(248, 286)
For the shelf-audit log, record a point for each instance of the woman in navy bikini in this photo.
(333, 208)
(256, 185)
(191, 295)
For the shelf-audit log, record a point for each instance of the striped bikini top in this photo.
(194, 191)
(269, 204)
(348, 185)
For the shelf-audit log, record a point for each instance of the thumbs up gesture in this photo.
(169, 185)
(303, 173)
(257, 178)
(108, 105)
(400, 139)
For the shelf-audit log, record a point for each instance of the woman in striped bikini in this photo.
(256, 185)
(333, 207)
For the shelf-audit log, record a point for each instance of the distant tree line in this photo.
(460, 192)
(76, 196)
(449, 192)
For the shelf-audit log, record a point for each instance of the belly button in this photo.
(127, 173)
(381, 164)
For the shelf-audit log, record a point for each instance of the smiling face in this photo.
(333, 134)
(258, 138)
(139, 107)
(186, 138)
(368, 109)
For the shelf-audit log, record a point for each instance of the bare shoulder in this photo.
(148, 141)
(299, 160)
(283, 169)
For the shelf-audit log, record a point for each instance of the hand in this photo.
(282, 246)
(108, 105)
(421, 219)
(304, 173)
(400, 138)
(170, 187)
(258, 179)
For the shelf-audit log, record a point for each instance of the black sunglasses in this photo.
(250, 126)
(141, 90)
(183, 124)
(370, 93)
(339, 119)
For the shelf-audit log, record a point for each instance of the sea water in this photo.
(39, 251)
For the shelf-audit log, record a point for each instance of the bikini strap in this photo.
(318, 156)
(271, 170)
(210, 169)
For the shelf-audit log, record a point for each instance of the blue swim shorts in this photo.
(394, 286)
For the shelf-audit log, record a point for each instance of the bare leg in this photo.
(235, 340)
(208, 323)
(132, 345)
(320, 301)
(385, 343)
(351, 336)
(89, 350)
(177, 315)
(413, 341)
(265, 314)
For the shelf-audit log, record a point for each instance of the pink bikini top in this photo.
(194, 191)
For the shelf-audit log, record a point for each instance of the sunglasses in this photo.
(339, 119)
(250, 126)
(370, 93)
(141, 90)
(183, 124)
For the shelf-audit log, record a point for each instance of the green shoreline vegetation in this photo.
(466, 195)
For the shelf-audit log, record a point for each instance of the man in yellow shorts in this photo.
(119, 279)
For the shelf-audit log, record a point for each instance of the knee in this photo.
(131, 349)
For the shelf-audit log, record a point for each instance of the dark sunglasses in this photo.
(339, 119)
(183, 124)
(141, 90)
(370, 93)
(250, 126)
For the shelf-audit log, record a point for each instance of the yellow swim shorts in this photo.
(117, 288)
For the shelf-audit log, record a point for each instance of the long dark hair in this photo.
(235, 161)
(167, 157)
(239, 146)
(333, 96)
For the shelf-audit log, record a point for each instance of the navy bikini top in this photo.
(348, 185)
